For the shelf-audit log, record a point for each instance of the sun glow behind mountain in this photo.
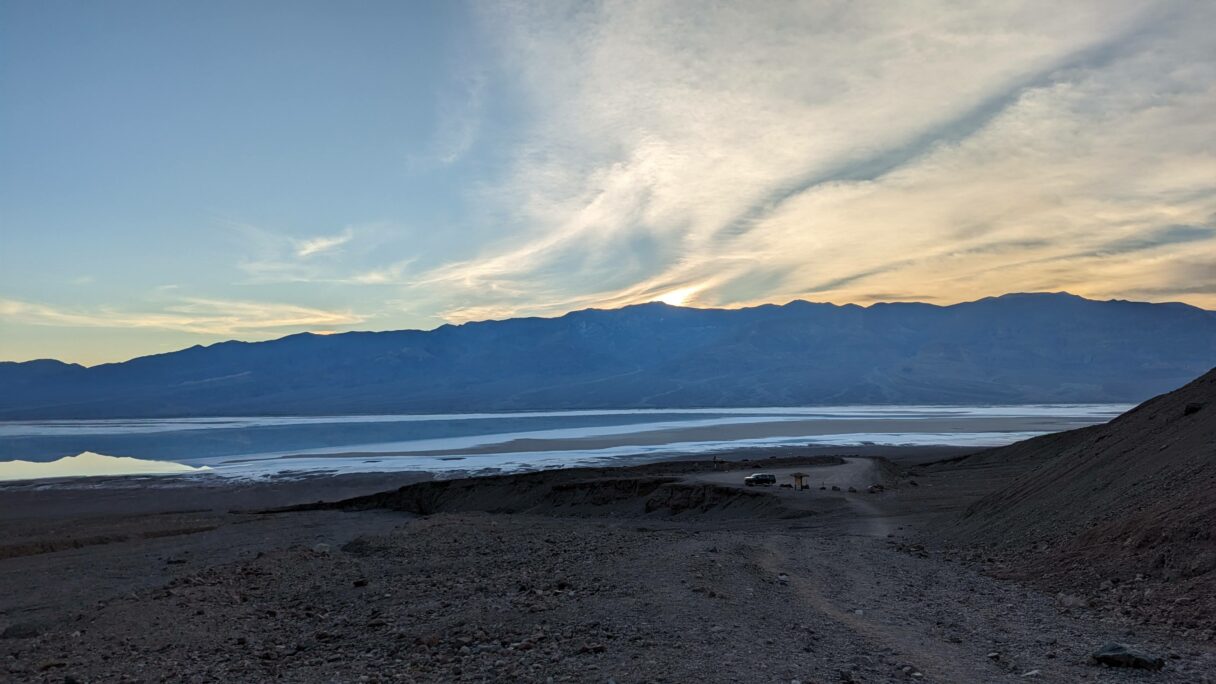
(678, 297)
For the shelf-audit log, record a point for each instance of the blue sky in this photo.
(182, 173)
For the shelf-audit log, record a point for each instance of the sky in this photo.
(180, 173)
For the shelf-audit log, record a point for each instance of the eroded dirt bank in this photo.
(694, 489)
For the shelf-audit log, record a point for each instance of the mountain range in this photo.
(1012, 349)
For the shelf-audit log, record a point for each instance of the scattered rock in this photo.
(321, 548)
(21, 630)
(1118, 655)
(1071, 600)
(1032, 673)
(1192, 408)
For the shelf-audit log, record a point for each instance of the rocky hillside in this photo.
(1124, 513)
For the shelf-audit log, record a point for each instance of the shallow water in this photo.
(257, 446)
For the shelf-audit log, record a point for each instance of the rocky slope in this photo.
(1122, 513)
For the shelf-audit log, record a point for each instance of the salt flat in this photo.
(267, 446)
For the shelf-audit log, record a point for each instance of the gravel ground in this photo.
(721, 591)
(488, 598)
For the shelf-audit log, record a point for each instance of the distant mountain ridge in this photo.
(1017, 348)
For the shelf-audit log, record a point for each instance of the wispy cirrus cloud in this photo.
(393, 274)
(192, 315)
(322, 244)
(846, 151)
(460, 114)
(354, 256)
(271, 256)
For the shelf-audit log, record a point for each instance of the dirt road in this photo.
(855, 512)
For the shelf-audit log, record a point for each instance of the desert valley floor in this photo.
(667, 572)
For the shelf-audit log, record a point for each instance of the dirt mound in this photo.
(639, 496)
(649, 490)
(1124, 511)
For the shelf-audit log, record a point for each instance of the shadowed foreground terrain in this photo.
(1121, 514)
(664, 572)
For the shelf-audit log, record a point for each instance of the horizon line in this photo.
(654, 302)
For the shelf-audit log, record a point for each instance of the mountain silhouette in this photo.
(1016, 348)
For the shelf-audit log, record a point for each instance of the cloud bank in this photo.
(727, 154)
(201, 316)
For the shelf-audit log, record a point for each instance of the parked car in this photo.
(760, 479)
